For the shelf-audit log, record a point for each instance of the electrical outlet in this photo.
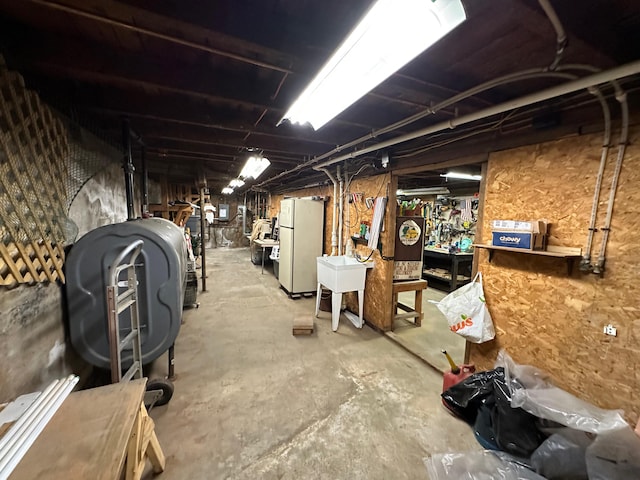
(610, 330)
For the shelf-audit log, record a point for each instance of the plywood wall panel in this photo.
(543, 316)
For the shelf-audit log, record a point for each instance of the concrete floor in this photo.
(433, 336)
(254, 402)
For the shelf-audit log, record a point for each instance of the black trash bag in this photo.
(464, 398)
(516, 431)
(483, 427)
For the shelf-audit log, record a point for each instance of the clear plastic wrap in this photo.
(614, 456)
(482, 465)
(562, 455)
(533, 392)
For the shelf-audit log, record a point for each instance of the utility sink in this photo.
(342, 274)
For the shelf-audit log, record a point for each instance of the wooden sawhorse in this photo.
(408, 286)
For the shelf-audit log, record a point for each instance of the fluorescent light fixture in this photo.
(236, 182)
(227, 191)
(390, 35)
(423, 191)
(254, 167)
(462, 176)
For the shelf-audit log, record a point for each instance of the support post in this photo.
(145, 182)
(127, 166)
(202, 249)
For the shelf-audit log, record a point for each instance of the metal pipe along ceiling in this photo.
(626, 70)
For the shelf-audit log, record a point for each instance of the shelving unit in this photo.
(446, 269)
(567, 253)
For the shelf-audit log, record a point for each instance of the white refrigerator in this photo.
(301, 232)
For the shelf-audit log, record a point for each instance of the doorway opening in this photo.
(449, 201)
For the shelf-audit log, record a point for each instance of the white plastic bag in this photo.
(467, 312)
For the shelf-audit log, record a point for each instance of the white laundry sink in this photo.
(342, 274)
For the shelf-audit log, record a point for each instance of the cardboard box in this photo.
(524, 240)
(528, 235)
(531, 226)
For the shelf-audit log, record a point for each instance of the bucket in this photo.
(325, 300)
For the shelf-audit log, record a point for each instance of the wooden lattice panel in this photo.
(33, 151)
(30, 263)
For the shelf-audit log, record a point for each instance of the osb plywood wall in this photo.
(377, 296)
(543, 316)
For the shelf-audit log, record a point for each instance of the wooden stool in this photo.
(408, 286)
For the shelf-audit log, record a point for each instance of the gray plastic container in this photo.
(161, 285)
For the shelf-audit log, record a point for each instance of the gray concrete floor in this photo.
(433, 336)
(254, 402)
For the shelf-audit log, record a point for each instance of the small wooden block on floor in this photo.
(303, 325)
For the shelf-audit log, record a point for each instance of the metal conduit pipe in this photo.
(340, 209)
(585, 263)
(626, 70)
(598, 268)
(503, 80)
(561, 36)
(334, 235)
(512, 77)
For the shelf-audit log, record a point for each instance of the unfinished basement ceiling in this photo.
(204, 82)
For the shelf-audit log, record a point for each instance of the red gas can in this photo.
(456, 374)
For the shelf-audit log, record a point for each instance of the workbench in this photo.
(96, 434)
(264, 244)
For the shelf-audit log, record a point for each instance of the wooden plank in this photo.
(10, 263)
(302, 331)
(303, 325)
(409, 286)
(87, 437)
(43, 262)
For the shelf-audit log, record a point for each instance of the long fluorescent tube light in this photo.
(461, 176)
(423, 191)
(236, 182)
(390, 35)
(254, 167)
(227, 191)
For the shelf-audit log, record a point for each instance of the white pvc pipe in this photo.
(628, 69)
(9, 438)
(35, 420)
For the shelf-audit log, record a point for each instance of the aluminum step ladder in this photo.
(118, 303)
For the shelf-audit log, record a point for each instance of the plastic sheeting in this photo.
(532, 391)
(483, 465)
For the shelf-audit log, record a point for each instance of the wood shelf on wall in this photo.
(567, 253)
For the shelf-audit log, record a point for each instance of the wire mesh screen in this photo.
(44, 162)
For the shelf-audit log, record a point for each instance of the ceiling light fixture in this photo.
(390, 35)
(254, 167)
(227, 191)
(423, 191)
(236, 182)
(462, 176)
